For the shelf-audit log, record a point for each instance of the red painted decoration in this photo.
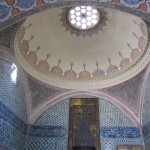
(15, 11)
(143, 7)
(10, 2)
(115, 1)
(40, 2)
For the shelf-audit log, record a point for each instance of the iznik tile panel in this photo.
(146, 104)
(11, 90)
(45, 143)
(58, 115)
(50, 130)
(120, 132)
(10, 136)
(40, 92)
(111, 116)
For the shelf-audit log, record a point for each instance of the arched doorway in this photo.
(84, 124)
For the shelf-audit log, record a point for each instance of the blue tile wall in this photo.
(127, 92)
(111, 144)
(120, 132)
(147, 143)
(58, 115)
(10, 136)
(46, 143)
(41, 135)
(146, 104)
(13, 114)
(146, 115)
(48, 131)
(2, 147)
(115, 128)
(12, 94)
(113, 124)
(12, 129)
(12, 119)
(111, 116)
(40, 92)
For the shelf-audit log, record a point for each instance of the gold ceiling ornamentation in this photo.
(85, 32)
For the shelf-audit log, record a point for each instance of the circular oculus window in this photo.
(83, 17)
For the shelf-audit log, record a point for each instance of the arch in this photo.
(143, 90)
(135, 9)
(37, 112)
(5, 54)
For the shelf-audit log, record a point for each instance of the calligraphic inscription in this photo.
(129, 147)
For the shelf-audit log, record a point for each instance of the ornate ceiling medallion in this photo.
(83, 20)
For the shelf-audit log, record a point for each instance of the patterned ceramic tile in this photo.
(111, 116)
(45, 135)
(10, 136)
(44, 143)
(58, 115)
(127, 92)
(6, 35)
(8, 116)
(147, 143)
(2, 147)
(11, 8)
(11, 90)
(40, 92)
(120, 132)
(146, 104)
(48, 131)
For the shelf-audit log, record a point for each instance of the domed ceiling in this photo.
(53, 51)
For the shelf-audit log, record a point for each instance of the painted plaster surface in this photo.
(67, 64)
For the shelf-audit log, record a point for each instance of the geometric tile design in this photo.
(108, 145)
(111, 116)
(57, 115)
(9, 117)
(3, 147)
(146, 103)
(113, 119)
(146, 134)
(40, 92)
(127, 92)
(120, 132)
(147, 143)
(6, 36)
(13, 114)
(10, 136)
(12, 94)
(46, 143)
(111, 144)
(48, 131)
(146, 130)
